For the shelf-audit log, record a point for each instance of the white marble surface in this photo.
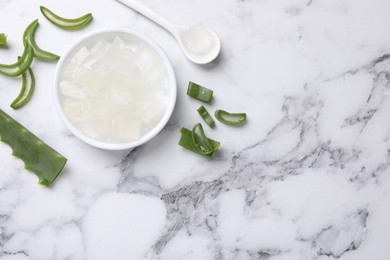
(306, 178)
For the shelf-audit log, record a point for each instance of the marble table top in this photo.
(307, 177)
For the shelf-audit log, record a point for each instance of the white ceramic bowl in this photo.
(128, 36)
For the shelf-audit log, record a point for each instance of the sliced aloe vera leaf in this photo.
(66, 23)
(19, 67)
(200, 140)
(29, 37)
(3, 39)
(37, 156)
(230, 118)
(186, 142)
(28, 85)
(206, 116)
(199, 92)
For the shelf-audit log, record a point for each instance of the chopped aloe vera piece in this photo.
(206, 116)
(29, 38)
(3, 39)
(198, 92)
(16, 69)
(66, 23)
(200, 140)
(28, 84)
(186, 142)
(37, 156)
(230, 118)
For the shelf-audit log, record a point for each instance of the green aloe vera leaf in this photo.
(187, 142)
(3, 39)
(200, 140)
(29, 37)
(66, 23)
(19, 67)
(230, 118)
(206, 116)
(199, 92)
(37, 156)
(28, 85)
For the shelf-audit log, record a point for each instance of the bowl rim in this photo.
(125, 145)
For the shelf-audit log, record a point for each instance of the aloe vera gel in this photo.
(114, 90)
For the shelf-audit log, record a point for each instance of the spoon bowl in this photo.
(198, 43)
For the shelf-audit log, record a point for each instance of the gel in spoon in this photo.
(199, 44)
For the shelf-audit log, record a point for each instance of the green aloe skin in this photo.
(19, 67)
(3, 39)
(186, 141)
(37, 156)
(206, 116)
(199, 92)
(29, 38)
(230, 118)
(66, 23)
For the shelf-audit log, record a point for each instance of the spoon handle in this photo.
(145, 10)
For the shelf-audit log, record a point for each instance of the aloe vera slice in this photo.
(19, 67)
(37, 156)
(200, 140)
(66, 23)
(186, 142)
(199, 92)
(3, 39)
(206, 116)
(230, 118)
(28, 85)
(29, 37)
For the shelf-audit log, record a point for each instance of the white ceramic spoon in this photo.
(199, 44)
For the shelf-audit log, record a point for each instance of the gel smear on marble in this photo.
(113, 91)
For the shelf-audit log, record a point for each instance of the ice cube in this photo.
(126, 128)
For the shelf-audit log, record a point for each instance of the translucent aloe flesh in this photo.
(37, 156)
